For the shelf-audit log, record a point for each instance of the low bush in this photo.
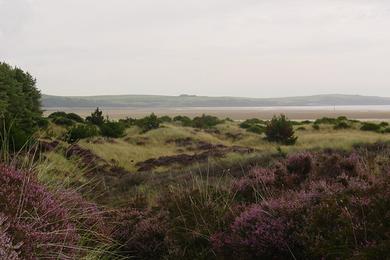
(63, 121)
(368, 126)
(128, 122)
(165, 119)
(184, 120)
(257, 129)
(316, 126)
(148, 123)
(250, 122)
(75, 117)
(80, 132)
(341, 125)
(205, 121)
(280, 130)
(112, 129)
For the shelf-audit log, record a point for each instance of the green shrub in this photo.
(43, 122)
(57, 114)
(250, 122)
(112, 129)
(64, 121)
(326, 120)
(184, 120)
(316, 126)
(80, 132)
(205, 121)
(341, 125)
(368, 126)
(165, 119)
(280, 130)
(128, 122)
(148, 123)
(386, 130)
(257, 129)
(96, 117)
(75, 117)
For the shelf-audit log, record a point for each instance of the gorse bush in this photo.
(80, 132)
(20, 108)
(280, 130)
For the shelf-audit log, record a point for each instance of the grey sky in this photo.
(252, 48)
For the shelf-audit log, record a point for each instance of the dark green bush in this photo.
(57, 114)
(165, 119)
(148, 123)
(257, 129)
(75, 117)
(384, 124)
(112, 129)
(316, 126)
(96, 117)
(128, 122)
(205, 121)
(280, 130)
(184, 120)
(250, 122)
(64, 121)
(342, 125)
(80, 132)
(368, 126)
(326, 120)
(43, 122)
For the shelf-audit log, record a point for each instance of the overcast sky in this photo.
(254, 48)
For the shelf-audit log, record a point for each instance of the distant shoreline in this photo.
(373, 112)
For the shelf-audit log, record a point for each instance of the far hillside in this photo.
(143, 101)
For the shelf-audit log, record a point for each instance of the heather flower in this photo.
(300, 163)
(36, 222)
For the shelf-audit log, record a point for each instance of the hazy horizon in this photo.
(246, 48)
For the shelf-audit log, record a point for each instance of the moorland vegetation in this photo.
(188, 188)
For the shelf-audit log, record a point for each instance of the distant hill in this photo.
(204, 101)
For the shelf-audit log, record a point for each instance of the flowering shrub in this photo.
(35, 221)
(7, 249)
(141, 234)
(255, 185)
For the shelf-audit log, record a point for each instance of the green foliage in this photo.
(257, 129)
(250, 122)
(20, 107)
(75, 117)
(148, 123)
(316, 126)
(280, 130)
(165, 119)
(368, 126)
(96, 117)
(341, 125)
(184, 120)
(57, 114)
(63, 121)
(112, 129)
(205, 121)
(81, 131)
(128, 122)
(326, 120)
